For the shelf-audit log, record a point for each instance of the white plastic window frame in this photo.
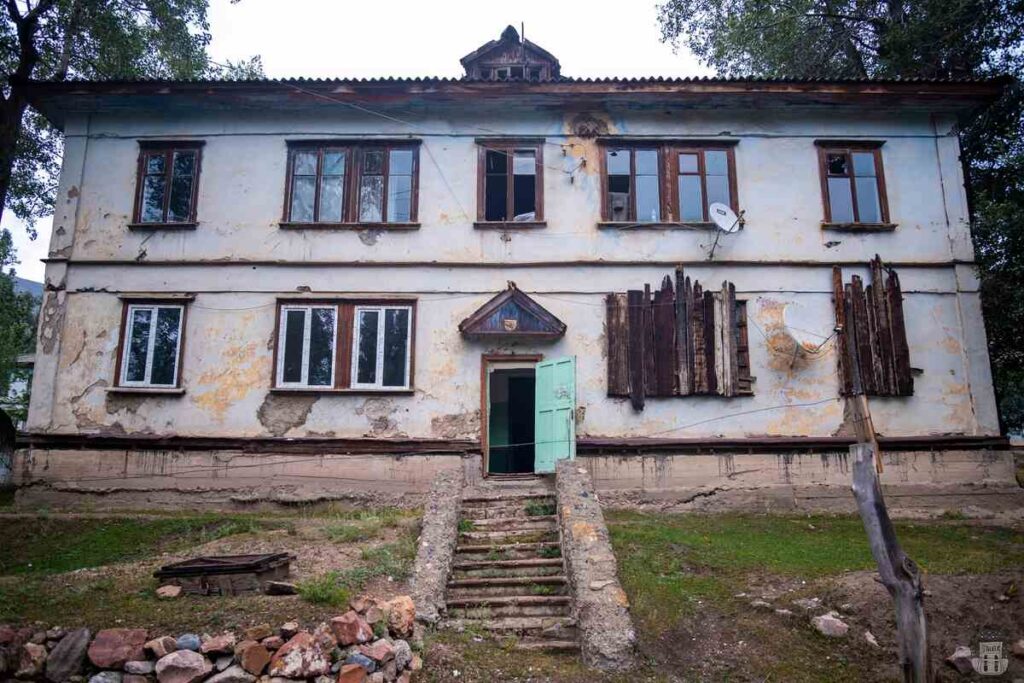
(282, 337)
(129, 330)
(357, 326)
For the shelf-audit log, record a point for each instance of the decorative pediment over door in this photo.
(512, 314)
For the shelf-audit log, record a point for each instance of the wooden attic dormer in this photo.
(511, 58)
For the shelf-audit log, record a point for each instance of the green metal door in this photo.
(555, 405)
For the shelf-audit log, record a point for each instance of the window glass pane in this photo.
(294, 328)
(153, 199)
(180, 207)
(138, 345)
(688, 163)
(837, 164)
(331, 199)
(321, 346)
(618, 162)
(305, 163)
(155, 163)
(184, 163)
(496, 186)
(718, 189)
(303, 193)
(868, 209)
(373, 162)
(366, 360)
(646, 162)
(648, 199)
(400, 162)
(716, 162)
(165, 346)
(840, 200)
(864, 164)
(691, 201)
(400, 199)
(371, 198)
(396, 341)
(525, 163)
(334, 163)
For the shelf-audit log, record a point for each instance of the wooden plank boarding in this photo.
(709, 341)
(700, 374)
(635, 316)
(883, 328)
(618, 344)
(650, 373)
(862, 334)
(684, 349)
(744, 379)
(901, 350)
(729, 340)
(665, 339)
(843, 336)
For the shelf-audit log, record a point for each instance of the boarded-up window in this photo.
(874, 357)
(678, 341)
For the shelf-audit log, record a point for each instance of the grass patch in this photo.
(466, 525)
(537, 509)
(363, 525)
(49, 545)
(550, 552)
(336, 587)
(327, 589)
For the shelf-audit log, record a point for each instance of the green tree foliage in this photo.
(17, 329)
(904, 38)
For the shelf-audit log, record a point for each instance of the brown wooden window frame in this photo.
(668, 183)
(128, 304)
(355, 153)
(343, 357)
(509, 146)
(847, 148)
(167, 149)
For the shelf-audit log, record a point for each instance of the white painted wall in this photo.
(238, 262)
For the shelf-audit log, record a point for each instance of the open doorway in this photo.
(509, 412)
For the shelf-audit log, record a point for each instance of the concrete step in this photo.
(547, 645)
(506, 536)
(516, 497)
(495, 568)
(560, 627)
(504, 601)
(557, 580)
(500, 611)
(508, 551)
(513, 523)
(503, 591)
(502, 510)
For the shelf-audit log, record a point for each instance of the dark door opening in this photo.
(510, 433)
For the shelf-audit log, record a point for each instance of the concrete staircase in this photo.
(508, 577)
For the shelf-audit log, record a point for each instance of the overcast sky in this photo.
(325, 38)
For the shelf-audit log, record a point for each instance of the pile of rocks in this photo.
(373, 642)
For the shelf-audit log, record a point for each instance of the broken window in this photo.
(381, 342)
(511, 182)
(151, 345)
(322, 177)
(167, 183)
(633, 182)
(680, 341)
(853, 183)
(306, 348)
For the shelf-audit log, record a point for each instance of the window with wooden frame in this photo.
(666, 182)
(345, 183)
(167, 183)
(510, 182)
(852, 183)
(345, 345)
(149, 354)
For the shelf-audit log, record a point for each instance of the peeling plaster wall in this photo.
(452, 269)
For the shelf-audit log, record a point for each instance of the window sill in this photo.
(147, 391)
(859, 227)
(661, 225)
(191, 225)
(509, 225)
(290, 225)
(341, 392)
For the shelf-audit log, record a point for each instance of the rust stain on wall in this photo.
(241, 370)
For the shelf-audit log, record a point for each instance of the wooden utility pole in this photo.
(900, 574)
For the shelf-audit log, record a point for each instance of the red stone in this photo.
(252, 656)
(352, 673)
(273, 642)
(300, 657)
(222, 644)
(379, 650)
(115, 646)
(401, 616)
(351, 629)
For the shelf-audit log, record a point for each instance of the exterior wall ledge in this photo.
(860, 227)
(191, 225)
(659, 225)
(436, 547)
(291, 225)
(155, 391)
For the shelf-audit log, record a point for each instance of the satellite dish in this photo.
(724, 217)
(801, 325)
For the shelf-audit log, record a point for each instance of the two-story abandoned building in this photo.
(296, 288)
